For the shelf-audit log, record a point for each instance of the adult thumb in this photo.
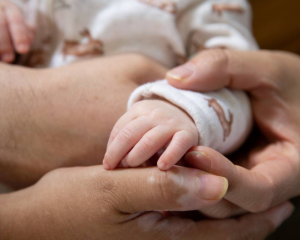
(214, 69)
(179, 189)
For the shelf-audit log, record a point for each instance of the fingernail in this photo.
(283, 214)
(125, 164)
(162, 166)
(211, 187)
(23, 48)
(8, 57)
(198, 156)
(106, 165)
(182, 72)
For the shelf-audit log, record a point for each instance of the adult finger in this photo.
(251, 226)
(254, 190)
(215, 69)
(179, 189)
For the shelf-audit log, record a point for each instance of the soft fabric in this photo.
(223, 118)
(169, 31)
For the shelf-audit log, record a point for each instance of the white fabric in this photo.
(169, 31)
(211, 131)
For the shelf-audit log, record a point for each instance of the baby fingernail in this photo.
(106, 165)
(162, 165)
(182, 72)
(23, 48)
(211, 187)
(125, 164)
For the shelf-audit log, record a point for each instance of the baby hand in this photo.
(15, 34)
(146, 128)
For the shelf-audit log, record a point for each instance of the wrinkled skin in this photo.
(62, 118)
(92, 203)
(269, 171)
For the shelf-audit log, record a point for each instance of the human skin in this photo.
(15, 33)
(93, 203)
(49, 121)
(63, 117)
(147, 127)
(270, 171)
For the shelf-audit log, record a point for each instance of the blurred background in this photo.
(276, 26)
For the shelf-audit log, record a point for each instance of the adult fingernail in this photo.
(182, 72)
(199, 156)
(211, 187)
(283, 214)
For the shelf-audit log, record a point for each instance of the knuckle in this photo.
(107, 188)
(263, 204)
(124, 136)
(138, 106)
(165, 189)
(158, 113)
(146, 145)
(114, 133)
(183, 142)
(216, 57)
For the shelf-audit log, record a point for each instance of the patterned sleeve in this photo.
(223, 118)
(217, 24)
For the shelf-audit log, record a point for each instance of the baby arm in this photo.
(15, 34)
(220, 120)
(217, 24)
(146, 128)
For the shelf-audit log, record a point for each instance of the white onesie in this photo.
(169, 31)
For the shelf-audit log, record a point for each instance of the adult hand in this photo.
(63, 117)
(272, 81)
(92, 203)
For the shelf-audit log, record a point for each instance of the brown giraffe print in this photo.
(165, 5)
(222, 7)
(75, 48)
(37, 57)
(226, 125)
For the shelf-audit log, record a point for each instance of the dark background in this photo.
(276, 26)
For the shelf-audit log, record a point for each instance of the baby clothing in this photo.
(169, 31)
(223, 118)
